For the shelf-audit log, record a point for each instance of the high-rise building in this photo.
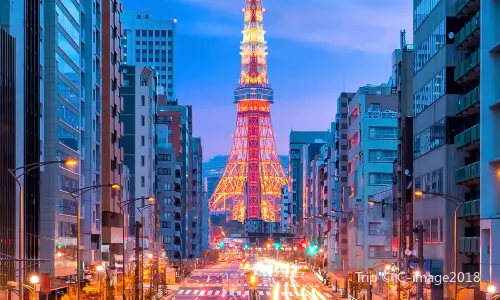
(434, 126)
(112, 129)
(286, 207)
(63, 132)
(250, 188)
(340, 201)
(489, 137)
(196, 210)
(178, 118)
(372, 149)
(151, 42)
(139, 120)
(303, 144)
(8, 157)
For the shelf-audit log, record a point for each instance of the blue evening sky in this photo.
(313, 45)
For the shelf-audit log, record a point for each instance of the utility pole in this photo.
(419, 230)
(138, 226)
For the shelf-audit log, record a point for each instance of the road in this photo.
(228, 281)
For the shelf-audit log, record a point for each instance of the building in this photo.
(179, 121)
(303, 144)
(8, 157)
(286, 207)
(488, 163)
(151, 42)
(138, 141)
(340, 201)
(168, 173)
(372, 149)
(22, 20)
(196, 210)
(112, 127)
(63, 134)
(402, 188)
(435, 124)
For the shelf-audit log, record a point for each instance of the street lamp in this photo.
(121, 205)
(141, 211)
(75, 194)
(26, 169)
(99, 270)
(461, 202)
(34, 280)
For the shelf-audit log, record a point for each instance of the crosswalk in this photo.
(207, 293)
(231, 275)
(217, 284)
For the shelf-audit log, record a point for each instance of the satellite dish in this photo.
(451, 35)
(407, 172)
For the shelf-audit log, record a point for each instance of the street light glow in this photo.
(115, 186)
(71, 162)
(99, 268)
(34, 279)
(419, 193)
(491, 289)
(151, 199)
(387, 267)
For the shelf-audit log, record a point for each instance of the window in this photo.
(143, 141)
(441, 230)
(66, 207)
(143, 121)
(143, 100)
(167, 200)
(354, 115)
(434, 42)
(169, 158)
(375, 107)
(66, 229)
(167, 186)
(434, 231)
(164, 171)
(382, 155)
(378, 252)
(430, 92)
(168, 215)
(143, 181)
(164, 157)
(375, 228)
(143, 160)
(386, 133)
(354, 140)
(380, 178)
(431, 138)
(168, 240)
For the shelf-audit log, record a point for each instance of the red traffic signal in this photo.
(303, 244)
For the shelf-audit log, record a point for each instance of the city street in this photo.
(228, 281)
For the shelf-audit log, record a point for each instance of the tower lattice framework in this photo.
(250, 186)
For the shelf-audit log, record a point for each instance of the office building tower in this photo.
(139, 153)
(151, 42)
(435, 125)
(372, 149)
(489, 137)
(402, 189)
(63, 134)
(303, 144)
(286, 206)
(22, 20)
(112, 128)
(8, 157)
(340, 176)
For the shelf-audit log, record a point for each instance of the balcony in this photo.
(468, 175)
(468, 36)
(177, 201)
(465, 7)
(98, 77)
(468, 139)
(468, 69)
(468, 244)
(177, 216)
(468, 104)
(98, 21)
(469, 209)
(177, 187)
(177, 226)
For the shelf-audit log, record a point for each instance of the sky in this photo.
(317, 49)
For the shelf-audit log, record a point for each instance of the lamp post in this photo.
(141, 211)
(34, 280)
(75, 194)
(99, 270)
(26, 169)
(121, 205)
(455, 221)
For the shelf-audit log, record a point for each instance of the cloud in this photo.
(334, 25)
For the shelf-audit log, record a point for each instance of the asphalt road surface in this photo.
(228, 281)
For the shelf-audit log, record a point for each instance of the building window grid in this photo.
(382, 155)
(430, 47)
(430, 93)
(434, 230)
(383, 133)
(380, 178)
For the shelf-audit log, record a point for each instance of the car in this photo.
(303, 266)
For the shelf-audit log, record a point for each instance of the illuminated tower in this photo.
(251, 184)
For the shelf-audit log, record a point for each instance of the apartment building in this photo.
(286, 206)
(151, 42)
(112, 127)
(196, 221)
(489, 137)
(435, 124)
(302, 145)
(372, 145)
(340, 164)
(139, 120)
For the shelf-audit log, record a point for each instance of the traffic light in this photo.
(277, 246)
(252, 280)
(303, 244)
(246, 246)
(268, 245)
(313, 249)
(222, 245)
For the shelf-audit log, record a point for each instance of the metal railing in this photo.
(466, 65)
(467, 173)
(467, 100)
(466, 137)
(467, 30)
(388, 114)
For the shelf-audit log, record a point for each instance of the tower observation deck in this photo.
(250, 187)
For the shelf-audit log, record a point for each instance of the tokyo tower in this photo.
(250, 187)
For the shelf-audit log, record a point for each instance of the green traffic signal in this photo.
(277, 246)
(246, 246)
(222, 245)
